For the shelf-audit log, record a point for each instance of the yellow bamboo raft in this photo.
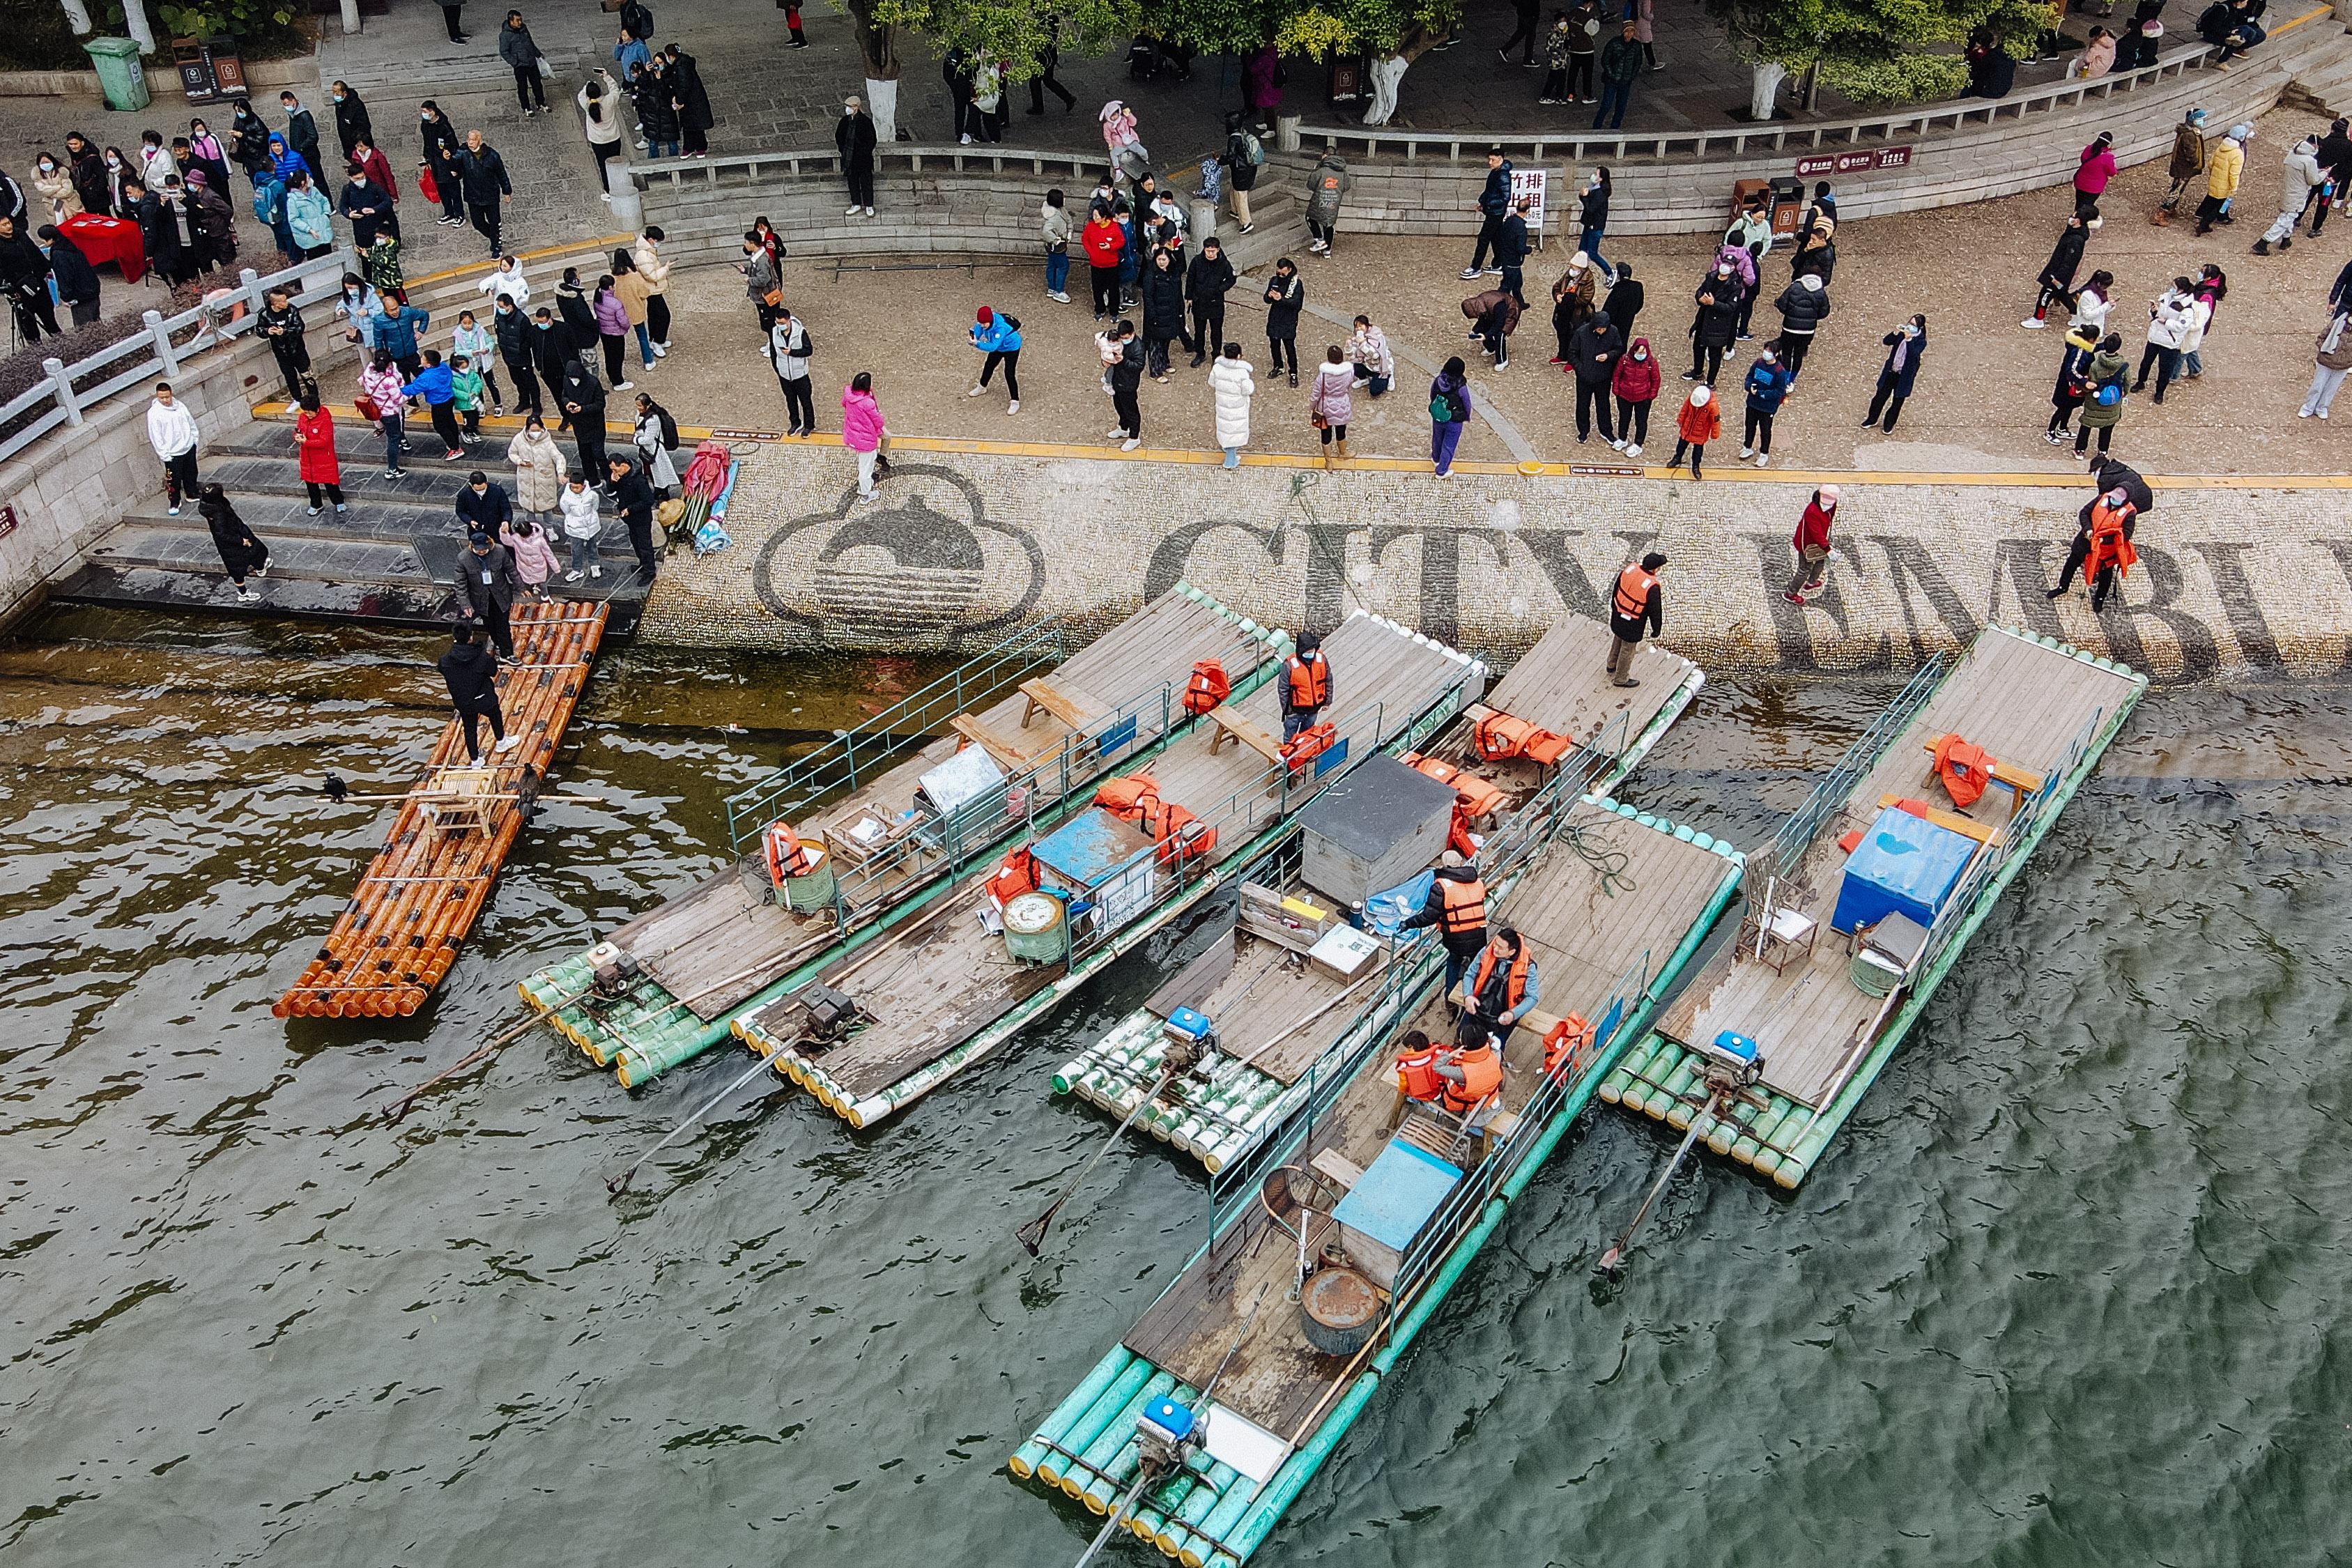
(401, 931)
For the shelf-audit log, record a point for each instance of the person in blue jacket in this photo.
(309, 218)
(998, 336)
(437, 386)
(1768, 383)
(1904, 347)
(393, 328)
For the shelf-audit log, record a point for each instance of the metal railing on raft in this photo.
(1503, 858)
(854, 756)
(1829, 797)
(150, 353)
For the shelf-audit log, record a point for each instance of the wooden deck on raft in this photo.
(1585, 939)
(2021, 701)
(401, 931)
(727, 938)
(936, 984)
(1562, 685)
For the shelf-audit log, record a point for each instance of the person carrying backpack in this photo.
(2103, 407)
(1245, 156)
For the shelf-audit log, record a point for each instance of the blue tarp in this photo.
(1904, 863)
(1384, 913)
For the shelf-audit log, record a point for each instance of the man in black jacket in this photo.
(1493, 206)
(280, 325)
(2336, 159)
(482, 507)
(482, 175)
(471, 670)
(551, 349)
(1206, 283)
(1511, 251)
(514, 337)
(158, 226)
(582, 397)
(25, 279)
(1637, 605)
(1126, 382)
(1456, 906)
(77, 279)
(1592, 356)
(486, 581)
(853, 136)
(2058, 273)
(632, 496)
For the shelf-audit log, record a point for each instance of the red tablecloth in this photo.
(105, 240)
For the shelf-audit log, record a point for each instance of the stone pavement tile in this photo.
(1489, 562)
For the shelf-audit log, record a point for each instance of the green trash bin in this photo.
(120, 77)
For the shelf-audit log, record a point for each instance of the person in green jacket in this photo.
(466, 386)
(2109, 379)
(1620, 63)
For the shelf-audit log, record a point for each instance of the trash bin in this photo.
(120, 77)
(1788, 204)
(196, 83)
(227, 68)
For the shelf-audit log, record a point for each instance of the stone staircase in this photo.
(390, 559)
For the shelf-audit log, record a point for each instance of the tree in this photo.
(1872, 51)
(1394, 33)
(1009, 31)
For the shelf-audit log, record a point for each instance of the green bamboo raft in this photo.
(1206, 1513)
(1220, 1121)
(768, 1028)
(1784, 1136)
(640, 1029)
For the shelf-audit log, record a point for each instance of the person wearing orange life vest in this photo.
(1503, 985)
(2102, 539)
(1471, 1071)
(1456, 906)
(1305, 686)
(1416, 1067)
(1637, 605)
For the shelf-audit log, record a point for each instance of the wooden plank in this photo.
(1949, 821)
(1042, 697)
(1232, 726)
(1197, 980)
(1005, 751)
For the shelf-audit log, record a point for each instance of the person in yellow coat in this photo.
(2222, 172)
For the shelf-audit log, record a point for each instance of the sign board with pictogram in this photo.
(1859, 160)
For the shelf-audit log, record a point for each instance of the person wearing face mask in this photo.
(1593, 220)
(1906, 345)
(1768, 386)
(440, 161)
(1713, 326)
(1635, 385)
(53, 188)
(77, 279)
(853, 135)
(1592, 356)
(353, 125)
(510, 330)
(1811, 544)
(1700, 421)
(205, 152)
(119, 202)
(302, 132)
(155, 162)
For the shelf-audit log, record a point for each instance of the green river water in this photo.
(2069, 1290)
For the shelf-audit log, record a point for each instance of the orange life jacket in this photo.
(1457, 832)
(787, 856)
(2107, 540)
(1565, 1045)
(1311, 742)
(1207, 687)
(1128, 797)
(1310, 681)
(1476, 795)
(1166, 821)
(1482, 1075)
(1016, 876)
(1465, 906)
(1965, 769)
(1500, 735)
(1515, 983)
(1633, 586)
(1416, 1073)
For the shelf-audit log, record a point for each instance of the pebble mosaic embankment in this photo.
(960, 545)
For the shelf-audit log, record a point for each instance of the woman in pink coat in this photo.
(862, 430)
(534, 556)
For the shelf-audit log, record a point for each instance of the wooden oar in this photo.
(618, 1185)
(1033, 1235)
(397, 1111)
(1611, 1261)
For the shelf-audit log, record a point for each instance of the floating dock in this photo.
(1387, 1205)
(941, 994)
(402, 930)
(1825, 1010)
(1249, 1083)
(661, 989)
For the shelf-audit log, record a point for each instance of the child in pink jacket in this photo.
(862, 430)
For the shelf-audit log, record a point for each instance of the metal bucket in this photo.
(1339, 1310)
(1037, 929)
(813, 888)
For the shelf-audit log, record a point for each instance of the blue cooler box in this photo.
(1903, 864)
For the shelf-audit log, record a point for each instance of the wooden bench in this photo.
(1953, 820)
(1233, 726)
(2022, 782)
(1007, 754)
(1060, 704)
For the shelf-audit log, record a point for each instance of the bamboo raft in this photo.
(1281, 1406)
(395, 940)
(724, 944)
(2040, 705)
(1561, 685)
(940, 995)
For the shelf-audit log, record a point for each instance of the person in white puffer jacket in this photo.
(1232, 384)
(580, 526)
(2298, 178)
(2170, 319)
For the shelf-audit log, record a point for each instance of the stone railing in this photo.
(686, 175)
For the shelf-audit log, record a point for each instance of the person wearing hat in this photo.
(1493, 206)
(2187, 163)
(999, 337)
(1637, 603)
(1456, 906)
(1812, 543)
(2300, 178)
(1699, 422)
(486, 583)
(2223, 172)
(1305, 686)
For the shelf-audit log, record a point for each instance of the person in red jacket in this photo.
(1812, 543)
(1700, 421)
(1636, 386)
(2097, 167)
(314, 439)
(1103, 240)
